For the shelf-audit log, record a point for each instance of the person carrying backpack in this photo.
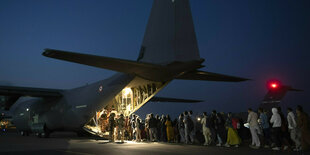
(232, 134)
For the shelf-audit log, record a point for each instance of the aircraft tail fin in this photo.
(170, 34)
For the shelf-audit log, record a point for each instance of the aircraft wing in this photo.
(208, 76)
(148, 71)
(13, 93)
(142, 69)
(165, 99)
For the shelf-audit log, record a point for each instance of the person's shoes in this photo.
(255, 147)
(297, 149)
(205, 144)
(227, 145)
(285, 147)
(218, 144)
(266, 146)
(276, 148)
(237, 145)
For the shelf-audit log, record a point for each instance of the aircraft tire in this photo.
(24, 133)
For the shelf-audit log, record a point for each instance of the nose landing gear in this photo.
(24, 133)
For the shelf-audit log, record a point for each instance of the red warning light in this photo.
(274, 84)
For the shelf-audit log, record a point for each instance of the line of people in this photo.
(279, 132)
(218, 129)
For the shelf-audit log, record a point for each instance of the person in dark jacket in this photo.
(158, 127)
(284, 128)
(153, 128)
(303, 124)
(111, 127)
(212, 120)
(176, 130)
(147, 129)
(121, 127)
(163, 130)
(220, 128)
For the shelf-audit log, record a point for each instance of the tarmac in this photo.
(68, 143)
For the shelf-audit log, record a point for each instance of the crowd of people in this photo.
(279, 132)
(267, 131)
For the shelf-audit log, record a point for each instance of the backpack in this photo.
(190, 123)
(235, 123)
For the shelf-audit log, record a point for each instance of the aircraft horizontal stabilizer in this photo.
(208, 76)
(165, 99)
(14, 93)
(27, 91)
(293, 89)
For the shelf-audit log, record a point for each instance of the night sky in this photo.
(260, 40)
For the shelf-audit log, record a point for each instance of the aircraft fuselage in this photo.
(77, 106)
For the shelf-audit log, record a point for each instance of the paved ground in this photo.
(69, 143)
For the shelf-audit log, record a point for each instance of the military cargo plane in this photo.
(169, 51)
(276, 92)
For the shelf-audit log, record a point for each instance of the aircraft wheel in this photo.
(24, 133)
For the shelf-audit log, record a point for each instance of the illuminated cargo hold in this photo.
(138, 92)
